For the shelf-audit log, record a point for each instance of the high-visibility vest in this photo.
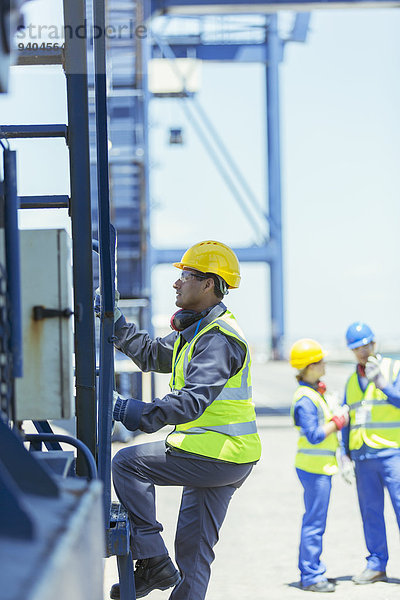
(227, 428)
(373, 420)
(316, 458)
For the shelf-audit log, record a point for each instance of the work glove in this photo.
(373, 372)
(341, 417)
(119, 406)
(127, 410)
(347, 469)
(97, 305)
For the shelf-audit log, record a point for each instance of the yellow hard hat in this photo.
(213, 257)
(304, 352)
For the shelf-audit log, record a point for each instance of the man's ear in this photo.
(209, 284)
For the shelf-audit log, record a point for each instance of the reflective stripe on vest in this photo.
(232, 429)
(316, 458)
(373, 420)
(227, 428)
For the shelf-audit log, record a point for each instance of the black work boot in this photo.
(157, 573)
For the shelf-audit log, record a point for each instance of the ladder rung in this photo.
(33, 131)
(52, 56)
(44, 201)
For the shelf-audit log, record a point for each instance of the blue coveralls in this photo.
(208, 484)
(375, 469)
(317, 491)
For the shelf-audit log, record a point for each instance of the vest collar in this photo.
(215, 312)
(314, 386)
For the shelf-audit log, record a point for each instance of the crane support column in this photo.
(274, 54)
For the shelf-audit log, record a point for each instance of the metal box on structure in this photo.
(45, 390)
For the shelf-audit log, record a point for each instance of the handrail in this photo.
(58, 437)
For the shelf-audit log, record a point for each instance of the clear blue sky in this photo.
(340, 93)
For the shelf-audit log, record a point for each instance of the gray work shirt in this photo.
(216, 358)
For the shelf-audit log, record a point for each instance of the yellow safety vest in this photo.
(227, 428)
(373, 420)
(316, 458)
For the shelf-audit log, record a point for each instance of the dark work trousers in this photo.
(208, 487)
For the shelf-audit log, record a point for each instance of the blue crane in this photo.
(263, 44)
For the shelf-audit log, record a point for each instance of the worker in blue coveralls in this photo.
(316, 460)
(214, 444)
(372, 441)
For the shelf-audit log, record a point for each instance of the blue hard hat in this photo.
(359, 334)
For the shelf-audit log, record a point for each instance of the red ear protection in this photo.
(171, 321)
(321, 389)
(184, 318)
(361, 370)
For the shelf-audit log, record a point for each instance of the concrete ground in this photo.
(256, 557)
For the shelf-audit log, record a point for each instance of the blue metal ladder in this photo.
(75, 58)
